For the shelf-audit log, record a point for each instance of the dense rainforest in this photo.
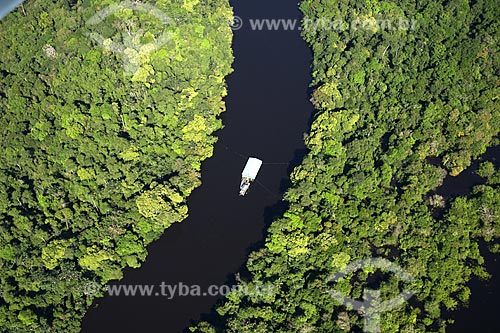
(398, 110)
(101, 142)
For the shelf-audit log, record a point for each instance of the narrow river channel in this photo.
(481, 313)
(268, 111)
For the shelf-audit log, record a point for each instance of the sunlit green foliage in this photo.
(99, 149)
(398, 110)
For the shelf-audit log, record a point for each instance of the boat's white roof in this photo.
(251, 168)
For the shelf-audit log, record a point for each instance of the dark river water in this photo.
(268, 111)
(482, 312)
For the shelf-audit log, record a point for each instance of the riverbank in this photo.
(398, 111)
(268, 111)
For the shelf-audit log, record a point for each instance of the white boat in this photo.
(249, 173)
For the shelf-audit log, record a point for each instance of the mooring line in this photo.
(277, 163)
(246, 157)
(235, 152)
(268, 190)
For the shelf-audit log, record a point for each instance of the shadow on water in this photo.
(481, 313)
(462, 184)
(268, 113)
(270, 214)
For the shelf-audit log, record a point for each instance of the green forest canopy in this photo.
(97, 158)
(390, 102)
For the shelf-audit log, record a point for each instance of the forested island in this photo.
(398, 111)
(100, 149)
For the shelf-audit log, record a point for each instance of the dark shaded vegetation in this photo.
(398, 111)
(97, 158)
